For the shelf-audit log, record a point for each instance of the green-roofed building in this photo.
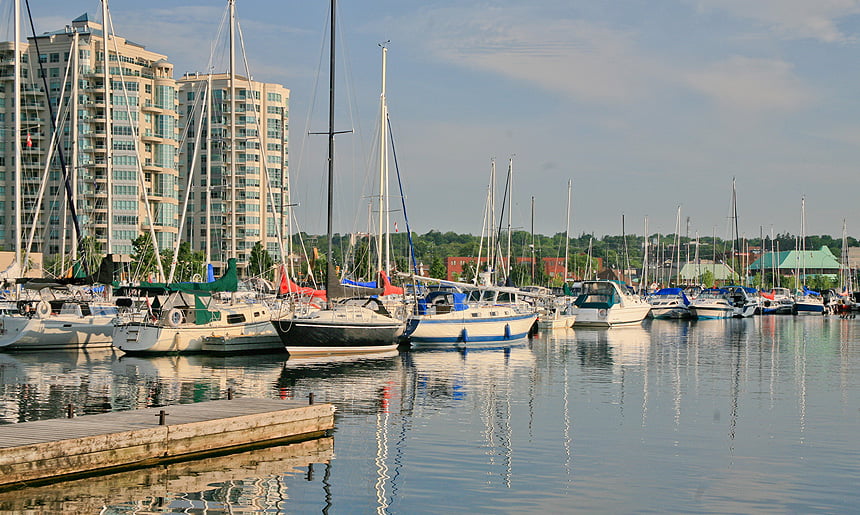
(723, 273)
(814, 262)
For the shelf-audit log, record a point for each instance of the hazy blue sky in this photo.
(646, 105)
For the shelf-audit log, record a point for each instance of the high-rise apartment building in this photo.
(240, 170)
(119, 136)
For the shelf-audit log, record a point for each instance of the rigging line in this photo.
(501, 219)
(269, 186)
(403, 200)
(358, 145)
(108, 28)
(305, 142)
(66, 179)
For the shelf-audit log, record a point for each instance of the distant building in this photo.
(248, 186)
(138, 103)
(691, 273)
(457, 266)
(791, 262)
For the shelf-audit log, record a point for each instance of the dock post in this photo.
(161, 416)
(230, 393)
(310, 398)
(70, 411)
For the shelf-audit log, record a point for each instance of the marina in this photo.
(193, 318)
(697, 416)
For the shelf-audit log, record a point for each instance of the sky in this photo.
(645, 105)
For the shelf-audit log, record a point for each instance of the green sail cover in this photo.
(202, 315)
(227, 282)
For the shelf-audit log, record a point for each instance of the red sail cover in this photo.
(288, 286)
(387, 287)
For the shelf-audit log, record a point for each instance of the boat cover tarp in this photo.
(456, 300)
(104, 275)
(336, 290)
(228, 282)
(387, 287)
(202, 315)
(674, 291)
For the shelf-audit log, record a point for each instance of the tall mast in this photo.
(567, 232)
(75, 129)
(233, 251)
(331, 84)
(677, 253)
(643, 285)
(803, 237)
(491, 242)
(382, 226)
(108, 126)
(533, 238)
(208, 119)
(18, 112)
(510, 211)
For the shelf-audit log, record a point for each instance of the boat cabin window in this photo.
(236, 318)
(73, 309)
(506, 297)
(103, 310)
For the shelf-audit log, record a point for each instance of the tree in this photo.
(189, 263)
(469, 272)
(143, 255)
(707, 278)
(260, 263)
(91, 253)
(438, 269)
(521, 273)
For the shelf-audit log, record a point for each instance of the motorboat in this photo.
(669, 303)
(605, 303)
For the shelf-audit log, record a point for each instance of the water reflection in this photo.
(682, 412)
(257, 479)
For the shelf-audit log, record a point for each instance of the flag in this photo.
(395, 227)
(29, 140)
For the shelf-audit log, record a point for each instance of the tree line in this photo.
(357, 254)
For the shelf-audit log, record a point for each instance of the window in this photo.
(55, 57)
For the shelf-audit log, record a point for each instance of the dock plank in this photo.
(39, 450)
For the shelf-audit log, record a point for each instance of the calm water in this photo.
(718, 416)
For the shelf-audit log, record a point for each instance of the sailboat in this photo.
(350, 321)
(806, 301)
(186, 317)
(560, 312)
(61, 313)
(64, 315)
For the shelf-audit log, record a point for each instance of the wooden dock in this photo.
(47, 450)
(148, 488)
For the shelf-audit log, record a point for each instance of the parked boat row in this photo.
(736, 302)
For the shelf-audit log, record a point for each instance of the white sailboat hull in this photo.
(462, 329)
(614, 316)
(18, 332)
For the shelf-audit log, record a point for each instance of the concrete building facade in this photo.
(128, 125)
(241, 167)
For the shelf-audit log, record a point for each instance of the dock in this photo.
(44, 451)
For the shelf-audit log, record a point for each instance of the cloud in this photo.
(751, 85)
(792, 19)
(580, 59)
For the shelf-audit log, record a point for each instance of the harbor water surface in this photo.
(755, 415)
